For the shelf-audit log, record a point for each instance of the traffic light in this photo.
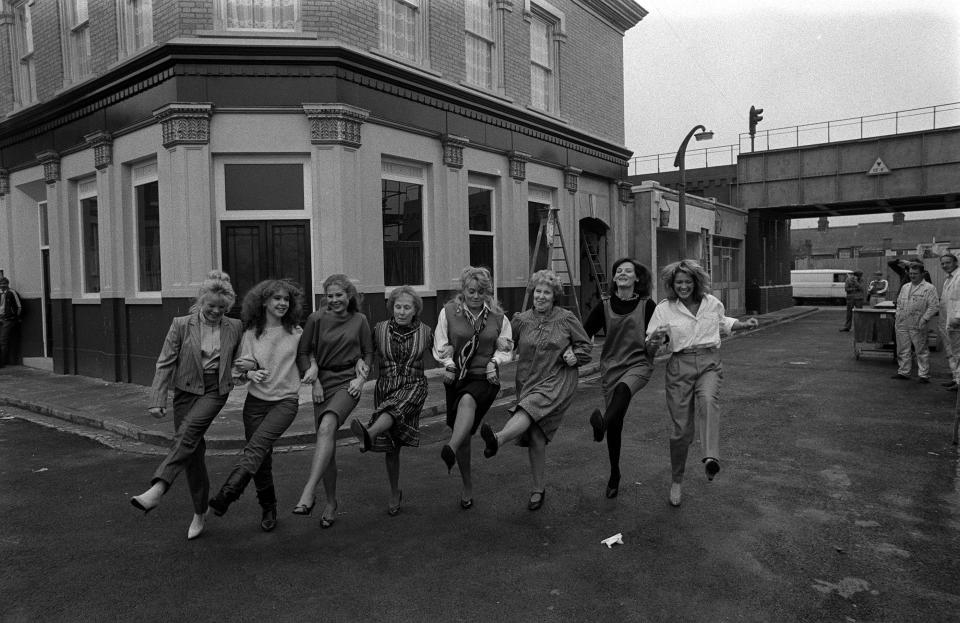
(755, 118)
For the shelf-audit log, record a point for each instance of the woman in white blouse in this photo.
(689, 321)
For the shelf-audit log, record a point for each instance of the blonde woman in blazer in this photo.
(197, 360)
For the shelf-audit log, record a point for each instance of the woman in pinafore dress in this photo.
(401, 388)
(551, 343)
(471, 341)
(625, 367)
(337, 348)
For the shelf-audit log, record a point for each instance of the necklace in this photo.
(632, 297)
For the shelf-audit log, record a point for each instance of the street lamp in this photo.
(701, 134)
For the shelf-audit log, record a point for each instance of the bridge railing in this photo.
(853, 128)
(695, 159)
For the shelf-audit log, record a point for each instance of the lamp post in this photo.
(701, 134)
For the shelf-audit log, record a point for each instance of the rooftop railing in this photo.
(694, 159)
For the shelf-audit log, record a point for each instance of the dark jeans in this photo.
(264, 421)
(192, 415)
(851, 304)
(8, 341)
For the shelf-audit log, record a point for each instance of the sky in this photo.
(705, 62)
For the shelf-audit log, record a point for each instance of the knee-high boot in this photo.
(268, 502)
(230, 491)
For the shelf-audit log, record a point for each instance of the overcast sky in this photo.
(705, 62)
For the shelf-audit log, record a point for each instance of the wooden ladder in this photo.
(558, 261)
(599, 274)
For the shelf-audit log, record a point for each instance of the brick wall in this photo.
(103, 35)
(590, 69)
(6, 60)
(48, 53)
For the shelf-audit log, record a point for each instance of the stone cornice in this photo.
(335, 124)
(51, 165)
(184, 123)
(623, 14)
(102, 143)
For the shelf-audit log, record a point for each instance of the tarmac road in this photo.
(839, 500)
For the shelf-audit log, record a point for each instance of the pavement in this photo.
(116, 413)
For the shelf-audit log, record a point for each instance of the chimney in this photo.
(898, 218)
(822, 223)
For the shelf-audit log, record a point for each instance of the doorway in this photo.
(256, 250)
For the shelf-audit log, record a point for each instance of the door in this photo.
(257, 250)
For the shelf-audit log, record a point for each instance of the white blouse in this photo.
(689, 331)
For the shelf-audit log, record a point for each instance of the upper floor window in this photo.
(403, 29)
(480, 43)
(76, 39)
(24, 69)
(546, 32)
(271, 15)
(135, 19)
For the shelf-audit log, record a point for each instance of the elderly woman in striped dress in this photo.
(551, 343)
(401, 388)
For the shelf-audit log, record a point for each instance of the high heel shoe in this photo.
(490, 439)
(392, 510)
(149, 499)
(327, 522)
(598, 424)
(613, 488)
(361, 433)
(675, 494)
(449, 457)
(711, 466)
(196, 526)
(303, 509)
(536, 500)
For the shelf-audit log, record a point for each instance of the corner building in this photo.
(144, 142)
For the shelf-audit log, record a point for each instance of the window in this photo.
(263, 186)
(546, 33)
(135, 20)
(24, 70)
(146, 201)
(480, 43)
(705, 255)
(402, 205)
(403, 29)
(89, 235)
(76, 36)
(270, 15)
(481, 227)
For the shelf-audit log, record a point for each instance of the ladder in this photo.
(550, 236)
(593, 258)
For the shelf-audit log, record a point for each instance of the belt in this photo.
(696, 350)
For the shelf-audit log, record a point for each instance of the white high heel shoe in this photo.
(675, 494)
(149, 499)
(196, 526)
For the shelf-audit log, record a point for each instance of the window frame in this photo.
(77, 51)
(493, 41)
(421, 56)
(127, 26)
(554, 20)
(22, 54)
(408, 174)
(259, 215)
(220, 20)
(141, 175)
(87, 189)
(492, 232)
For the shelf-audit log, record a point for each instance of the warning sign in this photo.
(878, 168)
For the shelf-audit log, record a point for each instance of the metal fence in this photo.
(694, 159)
(853, 128)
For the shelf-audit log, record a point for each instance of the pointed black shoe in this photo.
(362, 434)
(490, 439)
(268, 502)
(598, 424)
